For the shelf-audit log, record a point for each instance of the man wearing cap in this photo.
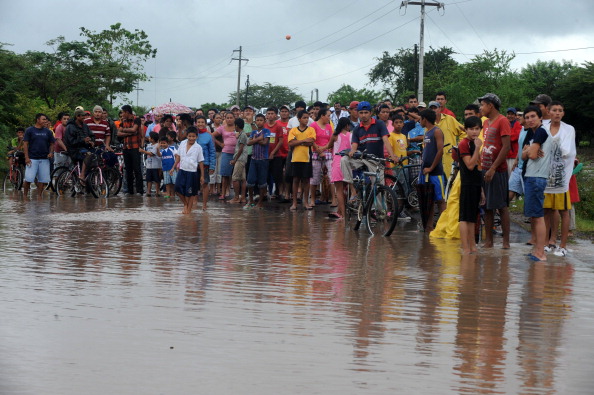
(235, 110)
(79, 139)
(452, 133)
(496, 146)
(371, 135)
(354, 114)
(543, 101)
(99, 128)
(422, 106)
(516, 128)
(442, 99)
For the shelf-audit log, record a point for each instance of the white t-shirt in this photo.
(562, 157)
(189, 159)
(294, 122)
(153, 162)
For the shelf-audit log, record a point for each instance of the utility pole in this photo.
(137, 89)
(312, 94)
(240, 59)
(423, 4)
(247, 88)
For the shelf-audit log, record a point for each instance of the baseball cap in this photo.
(234, 107)
(285, 106)
(79, 111)
(353, 105)
(79, 108)
(422, 104)
(542, 99)
(491, 98)
(249, 107)
(434, 104)
(512, 109)
(363, 106)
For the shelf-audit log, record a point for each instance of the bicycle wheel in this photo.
(65, 183)
(401, 199)
(114, 180)
(54, 177)
(98, 184)
(13, 181)
(359, 206)
(382, 213)
(413, 198)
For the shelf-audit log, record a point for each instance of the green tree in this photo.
(346, 94)
(266, 95)
(545, 76)
(207, 106)
(576, 92)
(117, 57)
(398, 73)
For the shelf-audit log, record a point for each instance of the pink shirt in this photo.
(229, 139)
(59, 134)
(323, 136)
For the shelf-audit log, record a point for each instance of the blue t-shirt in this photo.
(370, 139)
(208, 148)
(168, 158)
(260, 151)
(417, 131)
(39, 142)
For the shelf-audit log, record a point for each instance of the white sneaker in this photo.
(550, 248)
(560, 251)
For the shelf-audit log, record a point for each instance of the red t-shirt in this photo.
(59, 134)
(276, 135)
(492, 133)
(283, 151)
(514, 136)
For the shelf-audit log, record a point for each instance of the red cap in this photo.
(353, 105)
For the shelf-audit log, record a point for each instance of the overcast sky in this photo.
(333, 42)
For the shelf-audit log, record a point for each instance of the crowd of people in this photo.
(289, 152)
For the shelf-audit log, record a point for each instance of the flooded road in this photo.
(126, 296)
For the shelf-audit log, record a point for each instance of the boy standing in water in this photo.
(167, 154)
(471, 182)
(258, 171)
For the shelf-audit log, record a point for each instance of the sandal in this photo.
(334, 215)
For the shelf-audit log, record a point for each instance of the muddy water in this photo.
(129, 297)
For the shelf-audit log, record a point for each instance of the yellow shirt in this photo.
(301, 152)
(453, 132)
(399, 144)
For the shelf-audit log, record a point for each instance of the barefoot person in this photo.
(301, 139)
(190, 159)
(496, 132)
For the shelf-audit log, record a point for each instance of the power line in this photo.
(349, 26)
(346, 50)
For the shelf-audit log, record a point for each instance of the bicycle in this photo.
(69, 182)
(403, 181)
(113, 171)
(375, 204)
(13, 181)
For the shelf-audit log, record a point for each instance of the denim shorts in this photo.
(39, 168)
(516, 183)
(534, 196)
(169, 179)
(258, 173)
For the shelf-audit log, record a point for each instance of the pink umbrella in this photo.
(172, 108)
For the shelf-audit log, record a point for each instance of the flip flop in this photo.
(309, 208)
(534, 258)
(334, 216)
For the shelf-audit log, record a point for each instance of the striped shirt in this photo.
(100, 130)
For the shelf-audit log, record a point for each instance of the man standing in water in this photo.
(38, 147)
(496, 131)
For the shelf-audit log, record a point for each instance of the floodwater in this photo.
(127, 296)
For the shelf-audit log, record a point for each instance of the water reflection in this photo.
(296, 298)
